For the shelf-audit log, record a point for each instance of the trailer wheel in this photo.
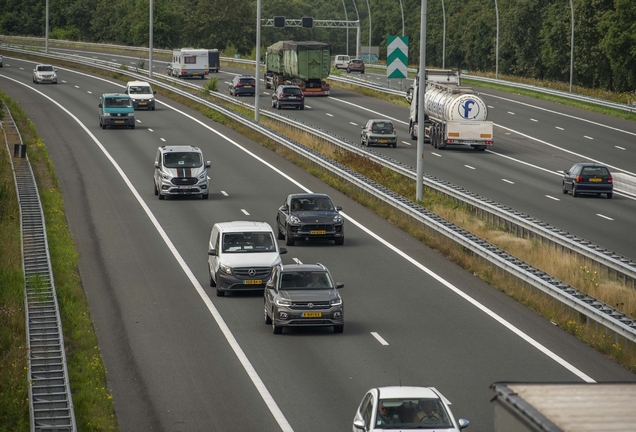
(411, 131)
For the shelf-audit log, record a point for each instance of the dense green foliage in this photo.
(534, 35)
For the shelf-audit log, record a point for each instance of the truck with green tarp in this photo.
(305, 64)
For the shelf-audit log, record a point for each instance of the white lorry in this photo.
(454, 115)
(189, 62)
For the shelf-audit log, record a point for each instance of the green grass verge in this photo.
(93, 405)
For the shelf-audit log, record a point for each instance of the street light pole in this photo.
(257, 90)
(444, 38)
(358, 31)
(150, 43)
(402, 9)
(421, 89)
(497, 44)
(347, 20)
(369, 8)
(572, 47)
(46, 47)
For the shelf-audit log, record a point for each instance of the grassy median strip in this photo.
(94, 409)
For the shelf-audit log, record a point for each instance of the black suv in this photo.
(288, 95)
(243, 85)
(303, 295)
(309, 217)
(588, 178)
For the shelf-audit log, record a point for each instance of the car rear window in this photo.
(292, 91)
(595, 171)
(356, 61)
(382, 127)
(248, 81)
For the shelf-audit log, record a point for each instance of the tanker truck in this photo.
(305, 64)
(454, 115)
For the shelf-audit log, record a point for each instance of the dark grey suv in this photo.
(243, 85)
(303, 295)
(288, 95)
(309, 217)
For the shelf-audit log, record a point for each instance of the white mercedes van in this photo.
(242, 255)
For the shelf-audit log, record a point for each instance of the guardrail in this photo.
(614, 320)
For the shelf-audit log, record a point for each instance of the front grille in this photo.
(317, 227)
(303, 305)
(310, 322)
(260, 272)
(183, 181)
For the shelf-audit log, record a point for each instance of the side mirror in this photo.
(339, 285)
(463, 423)
(154, 92)
(208, 164)
(566, 172)
(157, 165)
(358, 423)
(282, 251)
(126, 91)
(100, 105)
(212, 252)
(338, 208)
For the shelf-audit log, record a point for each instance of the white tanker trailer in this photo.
(454, 116)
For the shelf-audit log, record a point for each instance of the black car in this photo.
(288, 95)
(303, 295)
(588, 178)
(243, 85)
(309, 217)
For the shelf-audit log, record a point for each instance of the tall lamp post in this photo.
(497, 44)
(150, 43)
(257, 90)
(444, 37)
(572, 47)
(420, 103)
(369, 8)
(346, 19)
(46, 47)
(358, 34)
(402, 9)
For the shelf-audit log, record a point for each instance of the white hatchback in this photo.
(341, 61)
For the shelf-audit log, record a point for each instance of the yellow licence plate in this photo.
(119, 121)
(248, 86)
(311, 314)
(142, 103)
(195, 73)
(383, 141)
(318, 232)
(253, 282)
(596, 180)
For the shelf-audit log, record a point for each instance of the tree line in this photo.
(534, 35)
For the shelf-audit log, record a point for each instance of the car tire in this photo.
(565, 191)
(268, 320)
(288, 240)
(279, 233)
(153, 108)
(103, 125)
(205, 196)
(161, 196)
(394, 145)
(338, 328)
(339, 241)
(361, 72)
(155, 187)
(574, 192)
(278, 105)
(273, 104)
(220, 293)
(412, 131)
(275, 328)
(212, 283)
(348, 70)
(609, 195)
(302, 107)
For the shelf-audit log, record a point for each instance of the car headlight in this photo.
(293, 219)
(106, 114)
(337, 219)
(225, 269)
(132, 114)
(165, 176)
(336, 302)
(203, 175)
(54, 76)
(283, 302)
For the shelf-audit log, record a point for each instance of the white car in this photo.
(143, 96)
(44, 73)
(341, 61)
(405, 408)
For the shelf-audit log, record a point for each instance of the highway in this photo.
(181, 359)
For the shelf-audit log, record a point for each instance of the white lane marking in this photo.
(149, 129)
(21, 68)
(436, 154)
(534, 120)
(224, 193)
(163, 139)
(604, 217)
(562, 114)
(115, 60)
(330, 115)
(590, 138)
(89, 92)
(307, 106)
(245, 212)
(355, 124)
(468, 166)
(368, 110)
(76, 86)
(297, 261)
(508, 181)
(620, 148)
(64, 81)
(407, 143)
(227, 82)
(379, 338)
(559, 128)
(229, 336)
(266, 93)
(511, 113)
(490, 106)
(138, 121)
(553, 198)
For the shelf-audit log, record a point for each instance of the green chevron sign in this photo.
(397, 51)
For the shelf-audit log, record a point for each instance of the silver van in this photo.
(179, 170)
(242, 256)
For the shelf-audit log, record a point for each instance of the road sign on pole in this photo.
(397, 56)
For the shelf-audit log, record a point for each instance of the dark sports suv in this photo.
(303, 295)
(288, 95)
(588, 178)
(243, 85)
(309, 217)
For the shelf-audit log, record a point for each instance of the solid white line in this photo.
(553, 198)
(559, 128)
(620, 148)
(245, 212)
(224, 193)
(379, 338)
(508, 181)
(229, 336)
(604, 217)
(407, 143)
(468, 166)
(330, 115)
(590, 138)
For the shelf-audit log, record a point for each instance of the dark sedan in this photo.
(588, 178)
(303, 295)
(309, 217)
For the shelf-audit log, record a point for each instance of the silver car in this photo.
(44, 73)
(303, 295)
(379, 132)
(179, 170)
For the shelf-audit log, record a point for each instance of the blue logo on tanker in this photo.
(469, 109)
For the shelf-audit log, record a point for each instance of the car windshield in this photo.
(117, 102)
(594, 171)
(240, 242)
(139, 90)
(312, 204)
(45, 68)
(382, 127)
(292, 91)
(305, 280)
(182, 160)
(412, 413)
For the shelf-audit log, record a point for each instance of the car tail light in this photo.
(450, 141)
(610, 179)
(579, 178)
(239, 85)
(282, 95)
